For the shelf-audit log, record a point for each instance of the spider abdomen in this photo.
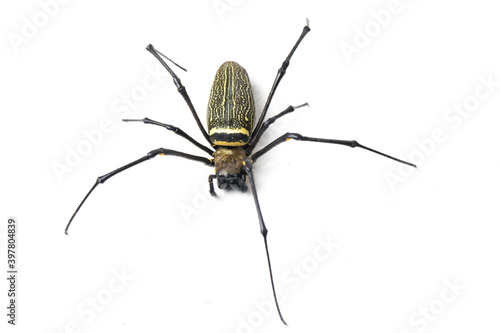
(231, 108)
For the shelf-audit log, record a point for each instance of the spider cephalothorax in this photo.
(228, 162)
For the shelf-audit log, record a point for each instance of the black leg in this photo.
(176, 64)
(181, 89)
(211, 184)
(268, 122)
(263, 229)
(298, 137)
(176, 130)
(279, 76)
(150, 155)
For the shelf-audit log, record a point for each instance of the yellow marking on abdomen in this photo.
(230, 144)
(229, 131)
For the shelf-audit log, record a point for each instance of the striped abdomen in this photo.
(231, 109)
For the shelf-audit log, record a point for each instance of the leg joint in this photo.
(284, 66)
(159, 151)
(263, 230)
(295, 136)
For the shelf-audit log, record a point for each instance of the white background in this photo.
(206, 271)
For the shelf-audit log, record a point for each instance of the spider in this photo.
(232, 134)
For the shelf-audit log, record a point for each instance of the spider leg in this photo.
(296, 136)
(211, 184)
(263, 229)
(150, 155)
(268, 123)
(176, 130)
(181, 89)
(279, 76)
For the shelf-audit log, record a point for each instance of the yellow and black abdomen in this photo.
(231, 109)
